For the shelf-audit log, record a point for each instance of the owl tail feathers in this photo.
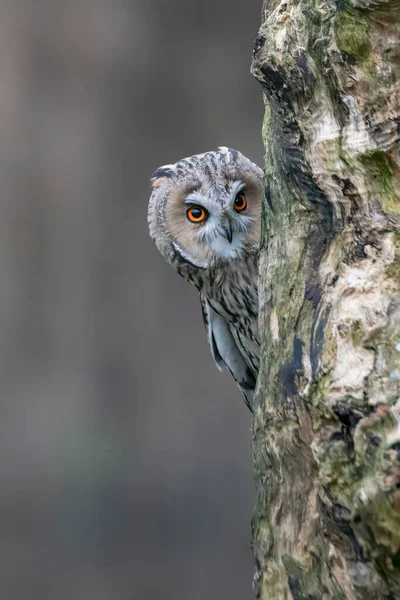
(247, 386)
(248, 397)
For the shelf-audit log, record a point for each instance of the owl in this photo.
(204, 216)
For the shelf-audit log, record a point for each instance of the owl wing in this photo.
(225, 351)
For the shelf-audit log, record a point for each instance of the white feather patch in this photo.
(224, 249)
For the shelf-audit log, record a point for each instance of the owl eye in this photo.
(196, 214)
(240, 203)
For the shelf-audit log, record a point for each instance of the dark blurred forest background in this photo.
(125, 462)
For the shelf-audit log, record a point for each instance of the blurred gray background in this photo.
(125, 456)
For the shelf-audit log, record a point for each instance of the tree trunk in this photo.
(327, 417)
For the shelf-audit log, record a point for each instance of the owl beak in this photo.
(227, 232)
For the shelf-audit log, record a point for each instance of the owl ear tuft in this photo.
(161, 174)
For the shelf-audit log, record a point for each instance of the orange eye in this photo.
(240, 203)
(196, 214)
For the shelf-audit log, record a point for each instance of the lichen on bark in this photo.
(326, 432)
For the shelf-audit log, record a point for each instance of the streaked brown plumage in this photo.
(204, 215)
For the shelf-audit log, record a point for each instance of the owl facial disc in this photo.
(220, 219)
(207, 208)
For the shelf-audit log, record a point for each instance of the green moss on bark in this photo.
(352, 30)
(380, 174)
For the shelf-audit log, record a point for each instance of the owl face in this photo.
(207, 208)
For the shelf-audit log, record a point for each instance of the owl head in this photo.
(206, 209)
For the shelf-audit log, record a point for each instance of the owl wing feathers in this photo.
(226, 352)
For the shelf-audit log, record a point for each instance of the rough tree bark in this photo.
(327, 419)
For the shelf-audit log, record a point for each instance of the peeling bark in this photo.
(327, 418)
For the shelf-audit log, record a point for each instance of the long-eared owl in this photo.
(204, 216)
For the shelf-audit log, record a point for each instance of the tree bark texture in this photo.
(326, 430)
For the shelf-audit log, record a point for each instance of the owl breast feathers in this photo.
(204, 216)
